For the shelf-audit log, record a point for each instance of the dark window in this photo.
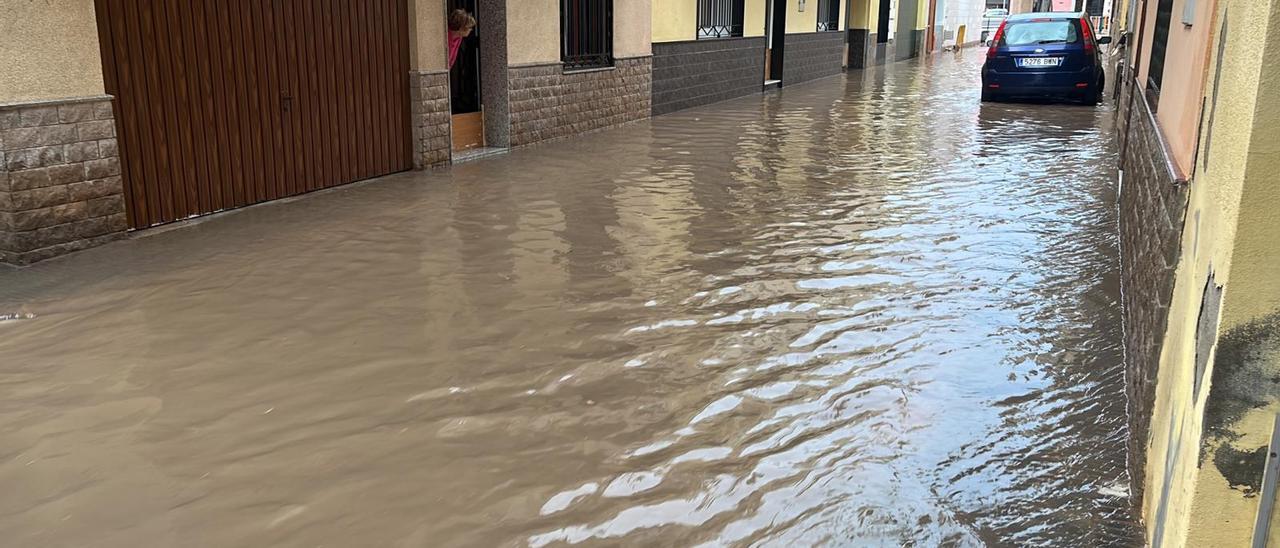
(828, 15)
(586, 33)
(720, 18)
(1030, 33)
(882, 25)
(1159, 45)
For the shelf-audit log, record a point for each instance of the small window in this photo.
(586, 34)
(720, 18)
(828, 15)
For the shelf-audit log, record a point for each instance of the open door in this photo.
(775, 34)
(465, 86)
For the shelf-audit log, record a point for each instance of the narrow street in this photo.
(863, 311)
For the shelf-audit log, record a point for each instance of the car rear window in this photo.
(1048, 31)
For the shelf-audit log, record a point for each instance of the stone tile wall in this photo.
(429, 95)
(1153, 203)
(60, 183)
(548, 103)
(862, 49)
(700, 72)
(909, 45)
(812, 55)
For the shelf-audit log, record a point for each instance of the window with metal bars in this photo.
(828, 15)
(720, 18)
(586, 34)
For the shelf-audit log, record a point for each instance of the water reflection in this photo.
(863, 311)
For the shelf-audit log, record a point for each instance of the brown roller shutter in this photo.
(226, 103)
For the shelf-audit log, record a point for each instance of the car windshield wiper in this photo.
(1052, 42)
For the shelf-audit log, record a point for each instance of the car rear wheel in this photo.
(1098, 92)
(989, 96)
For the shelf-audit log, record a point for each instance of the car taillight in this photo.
(995, 41)
(1088, 35)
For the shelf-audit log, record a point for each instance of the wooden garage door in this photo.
(226, 103)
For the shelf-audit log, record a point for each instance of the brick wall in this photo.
(700, 72)
(547, 103)
(60, 184)
(1153, 203)
(429, 95)
(813, 55)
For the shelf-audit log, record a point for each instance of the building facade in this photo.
(1198, 133)
(126, 114)
(120, 115)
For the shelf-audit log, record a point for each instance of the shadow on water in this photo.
(862, 311)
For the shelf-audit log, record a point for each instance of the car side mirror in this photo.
(1104, 40)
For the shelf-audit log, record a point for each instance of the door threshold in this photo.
(477, 153)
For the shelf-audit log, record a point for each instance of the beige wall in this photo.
(533, 30)
(631, 28)
(427, 30)
(48, 50)
(1232, 224)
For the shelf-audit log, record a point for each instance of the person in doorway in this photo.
(461, 24)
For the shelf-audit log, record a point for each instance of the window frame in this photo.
(831, 10)
(712, 30)
(1159, 50)
(582, 59)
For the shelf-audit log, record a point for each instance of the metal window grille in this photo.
(828, 15)
(720, 18)
(586, 34)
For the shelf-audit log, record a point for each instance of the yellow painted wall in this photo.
(675, 20)
(427, 30)
(802, 21)
(754, 17)
(860, 12)
(1232, 225)
(48, 50)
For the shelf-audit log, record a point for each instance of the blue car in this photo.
(1035, 55)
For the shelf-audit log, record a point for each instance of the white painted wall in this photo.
(961, 12)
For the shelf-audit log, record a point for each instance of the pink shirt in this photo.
(455, 42)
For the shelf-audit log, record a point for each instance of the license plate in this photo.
(1039, 61)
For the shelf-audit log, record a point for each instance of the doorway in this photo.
(776, 37)
(465, 86)
(931, 33)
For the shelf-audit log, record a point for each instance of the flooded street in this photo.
(865, 311)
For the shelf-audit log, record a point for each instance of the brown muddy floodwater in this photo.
(864, 311)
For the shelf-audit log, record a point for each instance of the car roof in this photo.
(1045, 15)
